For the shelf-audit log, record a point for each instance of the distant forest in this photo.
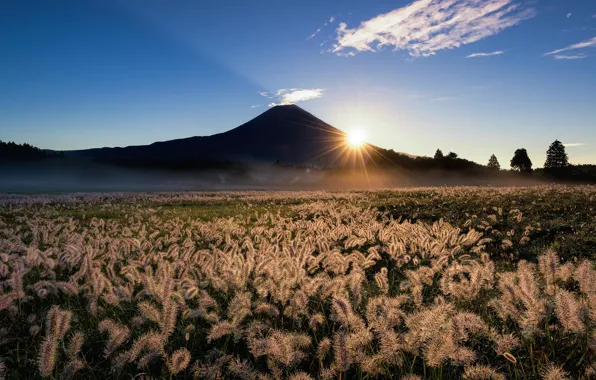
(10, 151)
(556, 166)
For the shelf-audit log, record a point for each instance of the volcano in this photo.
(287, 134)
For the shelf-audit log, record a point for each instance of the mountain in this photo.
(285, 133)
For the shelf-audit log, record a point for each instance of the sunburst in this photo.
(356, 138)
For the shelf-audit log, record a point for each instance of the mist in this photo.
(69, 175)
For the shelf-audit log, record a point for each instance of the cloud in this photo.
(569, 57)
(581, 45)
(255, 106)
(569, 15)
(321, 28)
(427, 26)
(314, 34)
(287, 96)
(475, 55)
(574, 145)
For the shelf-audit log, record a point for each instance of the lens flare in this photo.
(356, 138)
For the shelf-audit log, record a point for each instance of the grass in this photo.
(304, 254)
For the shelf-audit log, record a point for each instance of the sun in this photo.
(356, 138)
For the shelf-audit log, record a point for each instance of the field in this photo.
(430, 283)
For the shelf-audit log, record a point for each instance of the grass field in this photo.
(430, 283)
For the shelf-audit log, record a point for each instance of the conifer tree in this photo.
(493, 163)
(556, 157)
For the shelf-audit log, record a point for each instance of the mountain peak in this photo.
(286, 133)
(288, 105)
(286, 111)
(285, 107)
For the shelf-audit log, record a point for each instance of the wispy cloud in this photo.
(287, 96)
(569, 57)
(255, 106)
(427, 26)
(574, 145)
(331, 20)
(314, 34)
(476, 55)
(581, 45)
(569, 15)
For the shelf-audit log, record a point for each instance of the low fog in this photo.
(80, 176)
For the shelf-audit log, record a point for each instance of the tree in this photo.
(556, 157)
(11, 151)
(493, 163)
(521, 161)
(439, 155)
(452, 155)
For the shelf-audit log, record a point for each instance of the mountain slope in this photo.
(285, 133)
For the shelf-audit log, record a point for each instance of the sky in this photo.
(476, 77)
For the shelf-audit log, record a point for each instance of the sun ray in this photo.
(349, 150)
(356, 138)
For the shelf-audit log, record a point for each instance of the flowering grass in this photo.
(475, 283)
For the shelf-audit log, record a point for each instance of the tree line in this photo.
(556, 158)
(10, 151)
(556, 165)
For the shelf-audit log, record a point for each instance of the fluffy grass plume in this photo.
(472, 283)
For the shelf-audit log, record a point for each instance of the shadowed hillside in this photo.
(285, 133)
(11, 152)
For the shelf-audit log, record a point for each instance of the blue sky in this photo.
(475, 77)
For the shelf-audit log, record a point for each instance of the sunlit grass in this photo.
(299, 284)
